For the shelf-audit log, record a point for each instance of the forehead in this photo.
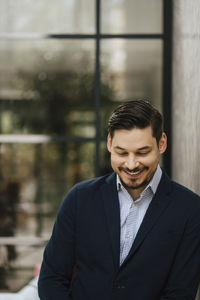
(133, 138)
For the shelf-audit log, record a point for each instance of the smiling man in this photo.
(130, 235)
(135, 162)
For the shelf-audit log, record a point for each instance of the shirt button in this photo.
(128, 235)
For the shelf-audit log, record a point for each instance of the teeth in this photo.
(133, 173)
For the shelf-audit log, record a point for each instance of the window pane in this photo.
(34, 180)
(42, 173)
(131, 16)
(47, 16)
(47, 87)
(131, 69)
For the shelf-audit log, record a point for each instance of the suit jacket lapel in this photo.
(111, 205)
(158, 204)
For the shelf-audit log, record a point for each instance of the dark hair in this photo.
(136, 114)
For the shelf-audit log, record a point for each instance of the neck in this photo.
(135, 193)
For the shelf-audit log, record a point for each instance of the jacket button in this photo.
(117, 285)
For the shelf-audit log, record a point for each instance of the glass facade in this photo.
(47, 87)
(132, 68)
(47, 16)
(125, 16)
(63, 69)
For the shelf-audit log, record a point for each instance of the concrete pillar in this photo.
(186, 94)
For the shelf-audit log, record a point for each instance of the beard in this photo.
(133, 184)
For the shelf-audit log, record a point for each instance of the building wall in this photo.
(186, 94)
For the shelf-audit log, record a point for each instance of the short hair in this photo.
(136, 114)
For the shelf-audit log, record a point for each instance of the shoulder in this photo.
(181, 197)
(175, 189)
(187, 200)
(95, 183)
(181, 190)
(85, 189)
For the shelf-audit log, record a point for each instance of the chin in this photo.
(135, 183)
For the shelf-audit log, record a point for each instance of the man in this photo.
(131, 235)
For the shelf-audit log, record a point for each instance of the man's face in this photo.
(135, 157)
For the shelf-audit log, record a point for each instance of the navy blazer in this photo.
(163, 263)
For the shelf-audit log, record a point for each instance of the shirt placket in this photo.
(130, 232)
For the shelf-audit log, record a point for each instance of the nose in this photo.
(131, 162)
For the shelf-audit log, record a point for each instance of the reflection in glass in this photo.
(133, 70)
(47, 87)
(42, 173)
(131, 16)
(47, 16)
(34, 181)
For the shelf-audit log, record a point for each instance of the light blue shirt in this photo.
(132, 212)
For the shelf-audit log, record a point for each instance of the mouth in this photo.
(134, 173)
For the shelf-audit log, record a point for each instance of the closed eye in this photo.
(143, 153)
(122, 153)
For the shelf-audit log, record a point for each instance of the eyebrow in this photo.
(139, 149)
(119, 148)
(145, 148)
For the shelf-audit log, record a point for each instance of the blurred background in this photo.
(64, 66)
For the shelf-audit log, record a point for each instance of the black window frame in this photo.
(166, 38)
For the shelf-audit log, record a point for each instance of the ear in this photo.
(109, 142)
(163, 143)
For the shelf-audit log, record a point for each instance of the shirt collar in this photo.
(153, 184)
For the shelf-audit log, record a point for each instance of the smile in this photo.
(133, 173)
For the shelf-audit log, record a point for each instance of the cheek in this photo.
(116, 160)
(149, 161)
